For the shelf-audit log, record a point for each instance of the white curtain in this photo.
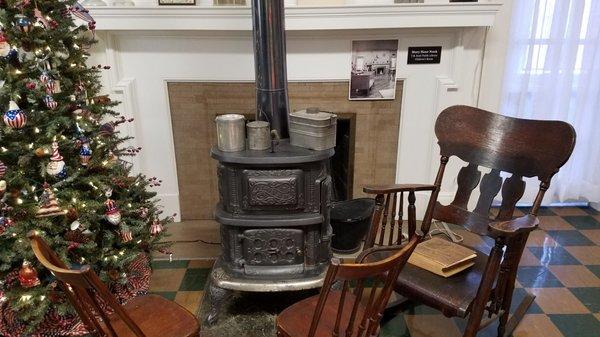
(553, 72)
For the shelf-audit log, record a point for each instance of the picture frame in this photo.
(176, 2)
(373, 70)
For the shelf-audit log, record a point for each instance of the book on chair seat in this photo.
(442, 257)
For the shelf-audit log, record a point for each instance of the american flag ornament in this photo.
(52, 87)
(2, 169)
(85, 152)
(23, 23)
(56, 167)
(4, 46)
(45, 77)
(112, 214)
(50, 102)
(14, 117)
(79, 11)
(156, 227)
(126, 234)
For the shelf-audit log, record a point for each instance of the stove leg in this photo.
(216, 296)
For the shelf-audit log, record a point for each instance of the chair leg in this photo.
(484, 291)
(510, 325)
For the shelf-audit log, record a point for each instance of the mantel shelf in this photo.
(433, 15)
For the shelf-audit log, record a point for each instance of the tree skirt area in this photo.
(55, 325)
(249, 314)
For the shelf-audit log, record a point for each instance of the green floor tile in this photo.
(570, 238)
(583, 222)
(595, 270)
(553, 256)
(577, 325)
(165, 264)
(194, 279)
(170, 295)
(590, 297)
(590, 210)
(544, 211)
(537, 277)
(518, 296)
(396, 327)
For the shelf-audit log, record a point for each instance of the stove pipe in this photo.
(268, 19)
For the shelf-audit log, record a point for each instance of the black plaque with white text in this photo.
(424, 55)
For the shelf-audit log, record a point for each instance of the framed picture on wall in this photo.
(373, 69)
(176, 2)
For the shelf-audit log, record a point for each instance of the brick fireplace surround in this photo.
(194, 106)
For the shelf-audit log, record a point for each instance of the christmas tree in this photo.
(64, 170)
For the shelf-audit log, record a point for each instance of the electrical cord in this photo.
(193, 241)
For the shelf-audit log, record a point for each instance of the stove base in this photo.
(222, 285)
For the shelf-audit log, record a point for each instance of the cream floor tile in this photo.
(166, 279)
(431, 325)
(592, 234)
(202, 263)
(539, 238)
(535, 326)
(528, 259)
(554, 223)
(566, 211)
(189, 300)
(589, 255)
(575, 276)
(558, 301)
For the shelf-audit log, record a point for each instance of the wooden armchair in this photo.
(518, 147)
(356, 309)
(144, 316)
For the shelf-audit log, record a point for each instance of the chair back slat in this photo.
(467, 180)
(384, 219)
(393, 220)
(373, 278)
(512, 191)
(400, 219)
(89, 296)
(489, 187)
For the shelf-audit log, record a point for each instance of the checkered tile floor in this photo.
(561, 266)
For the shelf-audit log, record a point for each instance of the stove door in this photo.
(272, 247)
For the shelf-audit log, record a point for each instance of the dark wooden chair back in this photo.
(519, 147)
(84, 290)
(362, 284)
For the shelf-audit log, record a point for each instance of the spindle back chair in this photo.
(93, 301)
(356, 309)
(519, 148)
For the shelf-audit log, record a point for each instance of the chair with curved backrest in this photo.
(144, 316)
(356, 309)
(519, 148)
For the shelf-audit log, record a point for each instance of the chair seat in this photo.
(295, 320)
(157, 317)
(451, 295)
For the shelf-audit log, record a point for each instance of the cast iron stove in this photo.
(274, 205)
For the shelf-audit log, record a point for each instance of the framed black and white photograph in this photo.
(176, 2)
(373, 74)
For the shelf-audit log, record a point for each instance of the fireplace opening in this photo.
(342, 162)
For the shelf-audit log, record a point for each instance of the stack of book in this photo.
(442, 257)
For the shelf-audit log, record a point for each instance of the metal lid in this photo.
(258, 124)
(229, 117)
(312, 113)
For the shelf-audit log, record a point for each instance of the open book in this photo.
(442, 257)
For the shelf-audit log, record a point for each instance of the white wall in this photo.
(143, 62)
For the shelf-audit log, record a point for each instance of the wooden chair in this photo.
(518, 147)
(356, 309)
(144, 316)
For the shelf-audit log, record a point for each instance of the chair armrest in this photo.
(384, 189)
(514, 227)
(365, 253)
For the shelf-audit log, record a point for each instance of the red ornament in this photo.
(28, 277)
(30, 85)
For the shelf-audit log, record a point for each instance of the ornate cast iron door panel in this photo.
(273, 247)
